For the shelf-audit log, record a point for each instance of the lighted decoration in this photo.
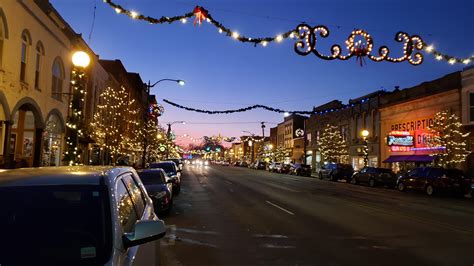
(307, 42)
(400, 140)
(307, 36)
(299, 132)
(332, 146)
(448, 132)
(271, 109)
(201, 14)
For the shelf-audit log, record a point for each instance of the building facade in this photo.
(406, 116)
(35, 66)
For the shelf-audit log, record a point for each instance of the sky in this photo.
(222, 73)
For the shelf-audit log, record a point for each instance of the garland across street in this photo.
(359, 44)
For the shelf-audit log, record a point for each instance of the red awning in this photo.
(409, 158)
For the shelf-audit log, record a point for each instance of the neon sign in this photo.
(400, 140)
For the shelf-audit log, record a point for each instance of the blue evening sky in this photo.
(222, 73)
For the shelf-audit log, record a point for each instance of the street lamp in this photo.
(250, 143)
(365, 134)
(148, 88)
(80, 61)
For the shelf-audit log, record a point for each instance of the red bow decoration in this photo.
(360, 51)
(200, 13)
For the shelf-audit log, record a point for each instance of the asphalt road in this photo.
(238, 216)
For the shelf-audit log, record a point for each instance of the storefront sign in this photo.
(419, 124)
(400, 140)
(400, 148)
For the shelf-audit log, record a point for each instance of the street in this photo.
(239, 216)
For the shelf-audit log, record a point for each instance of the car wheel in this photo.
(401, 187)
(429, 190)
(320, 176)
(371, 182)
(176, 190)
(332, 177)
(354, 181)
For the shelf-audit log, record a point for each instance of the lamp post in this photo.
(168, 135)
(148, 88)
(80, 61)
(251, 144)
(365, 134)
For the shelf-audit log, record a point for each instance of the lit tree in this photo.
(281, 153)
(332, 146)
(447, 132)
(115, 126)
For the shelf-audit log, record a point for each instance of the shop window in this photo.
(39, 60)
(471, 107)
(25, 43)
(52, 142)
(2, 38)
(57, 79)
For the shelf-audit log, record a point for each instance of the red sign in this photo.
(400, 148)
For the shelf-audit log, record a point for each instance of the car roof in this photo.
(150, 170)
(160, 162)
(59, 175)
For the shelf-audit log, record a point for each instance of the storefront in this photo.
(406, 137)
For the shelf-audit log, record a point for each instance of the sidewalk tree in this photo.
(332, 146)
(448, 141)
(115, 125)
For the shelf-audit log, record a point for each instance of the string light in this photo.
(259, 106)
(410, 43)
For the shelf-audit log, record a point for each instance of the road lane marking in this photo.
(195, 242)
(276, 246)
(193, 231)
(270, 236)
(281, 208)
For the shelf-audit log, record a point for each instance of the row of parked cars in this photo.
(431, 180)
(85, 215)
(282, 168)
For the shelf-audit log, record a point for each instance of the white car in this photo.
(77, 216)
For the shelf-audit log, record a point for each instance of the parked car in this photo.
(374, 176)
(259, 165)
(225, 163)
(77, 215)
(432, 180)
(172, 172)
(159, 187)
(336, 171)
(178, 163)
(300, 169)
(283, 168)
(243, 164)
(273, 167)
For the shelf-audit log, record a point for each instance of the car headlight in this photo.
(206, 163)
(160, 195)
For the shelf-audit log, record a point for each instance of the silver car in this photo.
(77, 216)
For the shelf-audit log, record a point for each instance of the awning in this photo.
(409, 158)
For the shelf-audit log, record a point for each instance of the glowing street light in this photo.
(81, 59)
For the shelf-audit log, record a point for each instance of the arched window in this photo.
(57, 78)
(39, 61)
(3, 33)
(25, 43)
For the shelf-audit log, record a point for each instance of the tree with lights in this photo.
(281, 153)
(332, 146)
(448, 141)
(116, 124)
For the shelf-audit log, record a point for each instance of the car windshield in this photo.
(151, 177)
(167, 167)
(60, 225)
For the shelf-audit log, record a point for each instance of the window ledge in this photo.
(24, 85)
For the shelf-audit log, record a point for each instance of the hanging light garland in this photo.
(307, 39)
(259, 106)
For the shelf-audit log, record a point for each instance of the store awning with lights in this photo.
(409, 158)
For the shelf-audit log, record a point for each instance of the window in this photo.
(2, 37)
(471, 106)
(58, 78)
(39, 54)
(126, 211)
(25, 43)
(137, 196)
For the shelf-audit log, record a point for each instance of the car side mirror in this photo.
(145, 231)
